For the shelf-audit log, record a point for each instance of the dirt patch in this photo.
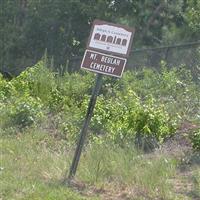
(113, 191)
(180, 145)
(184, 184)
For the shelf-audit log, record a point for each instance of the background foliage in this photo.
(145, 107)
(29, 27)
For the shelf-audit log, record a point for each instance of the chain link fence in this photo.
(187, 54)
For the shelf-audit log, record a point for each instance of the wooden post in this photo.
(84, 129)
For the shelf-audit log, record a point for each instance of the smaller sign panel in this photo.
(103, 63)
(110, 38)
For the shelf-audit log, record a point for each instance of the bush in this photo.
(173, 87)
(6, 89)
(26, 111)
(70, 91)
(36, 81)
(125, 120)
(195, 138)
(142, 107)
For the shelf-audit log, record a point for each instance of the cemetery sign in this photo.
(110, 38)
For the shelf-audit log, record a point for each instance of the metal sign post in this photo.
(107, 51)
(83, 132)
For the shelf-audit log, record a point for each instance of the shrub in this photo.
(26, 111)
(195, 138)
(124, 120)
(57, 101)
(6, 89)
(36, 81)
(76, 86)
(173, 87)
(70, 122)
(70, 91)
(142, 107)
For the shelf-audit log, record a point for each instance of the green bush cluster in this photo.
(21, 105)
(142, 107)
(26, 111)
(173, 87)
(195, 138)
(126, 119)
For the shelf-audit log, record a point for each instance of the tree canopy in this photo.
(29, 27)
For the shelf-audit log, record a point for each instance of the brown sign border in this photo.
(97, 52)
(100, 22)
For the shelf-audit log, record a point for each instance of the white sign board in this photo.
(111, 38)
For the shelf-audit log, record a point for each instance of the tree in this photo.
(29, 27)
(193, 15)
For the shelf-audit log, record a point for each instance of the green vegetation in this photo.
(195, 137)
(196, 176)
(28, 27)
(33, 166)
(145, 107)
(32, 169)
(41, 116)
(144, 137)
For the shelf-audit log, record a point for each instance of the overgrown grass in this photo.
(143, 104)
(33, 166)
(196, 180)
(104, 163)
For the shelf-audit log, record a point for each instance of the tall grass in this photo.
(102, 164)
(196, 179)
(33, 166)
